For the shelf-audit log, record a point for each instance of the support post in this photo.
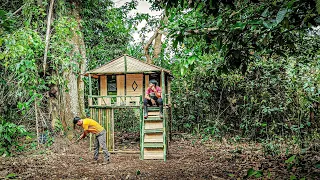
(90, 92)
(125, 64)
(112, 128)
(164, 116)
(141, 131)
(125, 79)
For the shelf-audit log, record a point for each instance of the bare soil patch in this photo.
(187, 159)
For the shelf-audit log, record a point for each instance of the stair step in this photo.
(153, 153)
(152, 145)
(154, 118)
(153, 113)
(150, 109)
(153, 125)
(153, 138)
(153, 130)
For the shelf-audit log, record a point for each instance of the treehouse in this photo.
(121, 83)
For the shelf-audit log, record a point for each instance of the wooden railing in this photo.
(113, 101)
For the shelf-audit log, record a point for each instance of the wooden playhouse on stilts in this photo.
(122, 83)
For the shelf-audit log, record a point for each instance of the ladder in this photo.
(153, 136)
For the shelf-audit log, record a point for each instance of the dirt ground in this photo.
(187, 159)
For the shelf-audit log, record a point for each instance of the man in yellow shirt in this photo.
(91, 126)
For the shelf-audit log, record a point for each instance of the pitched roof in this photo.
(117, 66)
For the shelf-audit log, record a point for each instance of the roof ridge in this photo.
(106, 63)
(159, 67)
(132, 58)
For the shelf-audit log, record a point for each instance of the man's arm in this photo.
(147, 96)
(85, 130)
(158, 92)
(84, 134)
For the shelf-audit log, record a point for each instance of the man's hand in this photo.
(153, 101)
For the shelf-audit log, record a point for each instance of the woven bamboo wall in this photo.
(105, 118)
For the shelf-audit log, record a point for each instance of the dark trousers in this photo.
(159, 101)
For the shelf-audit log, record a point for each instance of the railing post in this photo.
(90, 91)
(141, 129)
(163, 88)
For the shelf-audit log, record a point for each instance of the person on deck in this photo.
(91, 126)
(153, 97)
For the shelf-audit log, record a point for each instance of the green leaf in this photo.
(317, 166)
(219, 21)
(267, 24)
(265, 12)
(11, 175)
(251, 172)
(291, 159)
(258, 174)
(293, 177)
(192, 59)
(239, 25)
(318, 6)
(182, 71)
(280, 16)
(263, 124)
(138, 172)
(255, 22)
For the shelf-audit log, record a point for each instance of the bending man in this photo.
(91, 126)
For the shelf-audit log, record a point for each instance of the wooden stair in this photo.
(153, 136)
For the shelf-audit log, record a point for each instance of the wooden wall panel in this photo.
(103, 91)
(130, 79)
(120, 90)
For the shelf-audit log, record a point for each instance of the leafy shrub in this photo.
(9, 137)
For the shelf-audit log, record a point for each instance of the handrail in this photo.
(114, 100)
(111, 96)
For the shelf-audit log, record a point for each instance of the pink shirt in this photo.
(149, 90)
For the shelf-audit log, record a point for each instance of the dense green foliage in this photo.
(9, 137)
(106, 30)
(25, 85)
(245, 69)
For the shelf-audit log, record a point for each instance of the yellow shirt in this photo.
(92, 126)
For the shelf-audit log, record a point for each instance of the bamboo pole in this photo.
(164, 117)
(124, 152)
(112, 125)
(108, 131)
(90, 91)
(37, 121)
(141, 131)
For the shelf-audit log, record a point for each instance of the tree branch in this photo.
(147, 46)
(18, 10)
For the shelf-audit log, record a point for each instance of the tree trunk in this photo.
(72, 101)
(82, 66)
